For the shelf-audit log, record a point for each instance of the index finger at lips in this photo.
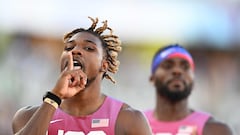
(70, 61)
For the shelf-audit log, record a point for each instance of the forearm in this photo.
(39, 122)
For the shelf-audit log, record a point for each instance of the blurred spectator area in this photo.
(31, 44)
(29, 66)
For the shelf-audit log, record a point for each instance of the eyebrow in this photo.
(85, 40)
(90, 41)
(70, 41)
(185, 61)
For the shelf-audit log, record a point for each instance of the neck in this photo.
(166, 110)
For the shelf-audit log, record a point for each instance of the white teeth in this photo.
(76, 65)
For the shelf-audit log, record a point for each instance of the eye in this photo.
(185, 65)
(167, 64)
(89, 48)
(69, 47)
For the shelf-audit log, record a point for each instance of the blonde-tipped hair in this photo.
(111, 43)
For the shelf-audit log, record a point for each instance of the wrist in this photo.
(55, 92)
(51, 102)
(52, 99)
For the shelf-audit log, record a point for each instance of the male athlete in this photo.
(76, 106)
(172, 74)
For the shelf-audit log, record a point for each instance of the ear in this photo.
(104, 67)
(151, 78)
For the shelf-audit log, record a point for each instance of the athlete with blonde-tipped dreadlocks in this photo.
(76, 105)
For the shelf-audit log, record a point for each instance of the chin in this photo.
(178, 89)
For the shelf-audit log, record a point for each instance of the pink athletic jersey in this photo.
(101, 122)
(193, 124)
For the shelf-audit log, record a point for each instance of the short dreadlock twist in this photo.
(111, 43)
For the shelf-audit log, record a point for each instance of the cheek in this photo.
(159, 76)
(63, 60)
(190, 77)
(98, 59)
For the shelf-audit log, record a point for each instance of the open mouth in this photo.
(77, 64)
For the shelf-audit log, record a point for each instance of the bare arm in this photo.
(214, 127)
(132, 122)
(33, 120)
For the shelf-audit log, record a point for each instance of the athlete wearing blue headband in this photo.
(173, 79)
(169, 52)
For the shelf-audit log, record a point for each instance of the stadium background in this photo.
(31, 42)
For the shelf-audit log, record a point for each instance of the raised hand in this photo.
(71, 80)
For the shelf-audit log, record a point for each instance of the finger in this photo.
(75, 80)
(82, 83)
(82, 76)
(83, 80)
(70, 61)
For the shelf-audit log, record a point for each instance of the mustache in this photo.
(176, 79)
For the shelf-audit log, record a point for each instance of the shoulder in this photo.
(22, 116)
(132, 121)
(214, 127)
(128, 114)
(25, 112)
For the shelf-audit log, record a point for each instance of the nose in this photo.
(177, 71)
(76, 51)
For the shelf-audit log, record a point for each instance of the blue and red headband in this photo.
(171, 51)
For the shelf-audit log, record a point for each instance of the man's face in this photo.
(87, 54)
(173, 79)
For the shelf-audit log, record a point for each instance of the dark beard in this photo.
(172, 96)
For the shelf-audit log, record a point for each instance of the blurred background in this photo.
(31, 43)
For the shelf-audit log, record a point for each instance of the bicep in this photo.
(140, 125)
(20, 118)
(133, 122)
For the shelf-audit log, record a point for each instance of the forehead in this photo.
(85, 36)
(176, 60)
